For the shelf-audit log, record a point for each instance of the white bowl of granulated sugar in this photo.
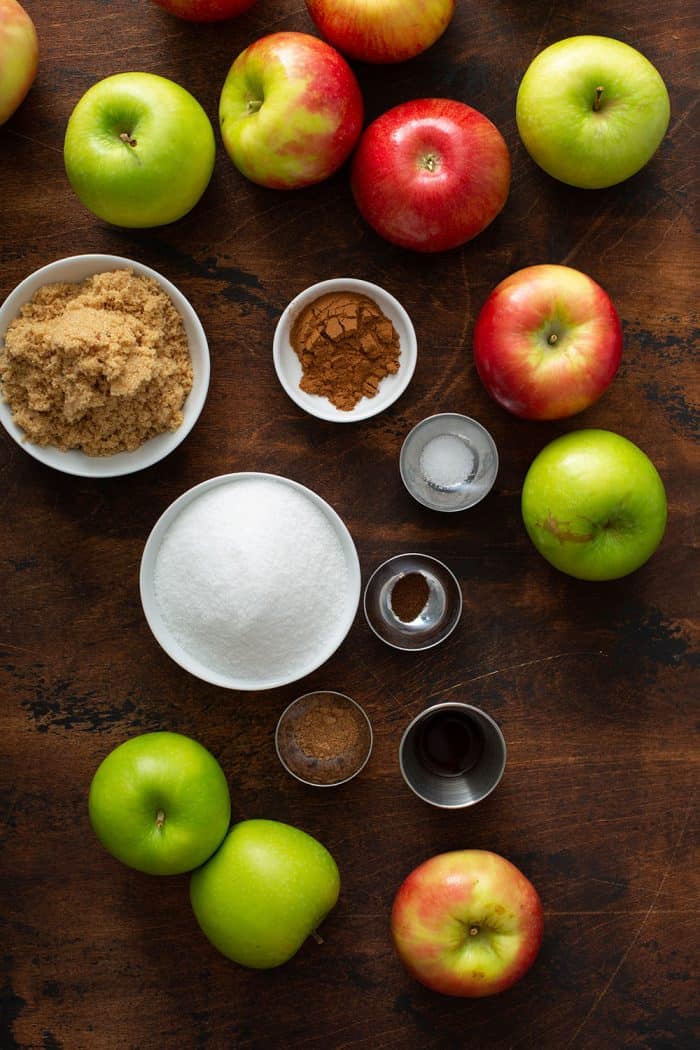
(250, 581)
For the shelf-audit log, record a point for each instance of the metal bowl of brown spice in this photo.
(413, 602)
(344, 350)
(323, 739)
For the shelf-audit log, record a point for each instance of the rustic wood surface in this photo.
(595, 686)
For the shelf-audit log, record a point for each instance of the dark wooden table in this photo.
(593, 685)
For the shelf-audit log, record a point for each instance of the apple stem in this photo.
(553, 338)
(596, 100)
(473, 930)
(126, 137)
(317, 937)
(254, 104)
(160, 819)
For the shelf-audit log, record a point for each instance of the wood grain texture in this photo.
(595, 686)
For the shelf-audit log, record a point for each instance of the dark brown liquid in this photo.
(449, 743)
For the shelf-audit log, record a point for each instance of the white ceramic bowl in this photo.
(72, 270)
(288, 365)
(350, 600)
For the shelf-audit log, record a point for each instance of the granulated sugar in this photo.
(251, 580)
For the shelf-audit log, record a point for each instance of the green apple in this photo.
(160, 803)
(139, 150)
(594, 505)
(592, 111)
(268, 886)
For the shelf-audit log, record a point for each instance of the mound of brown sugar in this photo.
(346, 346)
(101, 366)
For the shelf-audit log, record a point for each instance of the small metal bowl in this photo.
(464, 488)
(328, 771)
(434, 623)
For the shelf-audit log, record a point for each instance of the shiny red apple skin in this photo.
(381, 31)
(205, 10)
(430, 174)
(19, 56)
(467, 923)
(547, 342)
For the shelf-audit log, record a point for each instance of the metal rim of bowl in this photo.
(333, 783)
(149, 603)
(402, 457)
(452, 705)
(429, 645)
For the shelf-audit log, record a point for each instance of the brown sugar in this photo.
(346, 346)
(101, 366)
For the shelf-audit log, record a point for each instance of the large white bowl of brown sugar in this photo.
(104, 365)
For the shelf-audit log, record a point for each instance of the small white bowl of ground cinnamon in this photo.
(344, 350)
(104, 366)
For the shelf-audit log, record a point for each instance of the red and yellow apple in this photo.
(290, 111)
(467, 923)
(19, 56)
(381, 30)
(547, 342)
(430, 174)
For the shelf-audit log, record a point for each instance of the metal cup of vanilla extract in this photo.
(452, 755)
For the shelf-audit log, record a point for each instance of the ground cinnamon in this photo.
(409, 596)
(346, 346)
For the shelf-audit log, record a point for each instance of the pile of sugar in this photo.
(251, 580)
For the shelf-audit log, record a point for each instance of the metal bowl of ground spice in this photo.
(413, 602)
(344, 350)
(104, 366)
(324, 739)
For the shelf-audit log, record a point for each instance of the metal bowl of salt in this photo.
(413, 602)
(449, 462)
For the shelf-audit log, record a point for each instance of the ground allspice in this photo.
(346, 346)
(409, 596)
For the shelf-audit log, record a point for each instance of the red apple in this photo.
(467, 923)
(205, 10)
(19, 56)
(381, 30)
(430, 174)
(547, 342)
(290, 110)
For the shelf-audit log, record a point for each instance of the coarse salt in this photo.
(446, 461)
(252, 581)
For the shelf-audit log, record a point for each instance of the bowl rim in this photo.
(451, 705)
(332, 783)
(318, 406)
(77, 463)
(413, 648)
(402, 460)
(149, 602)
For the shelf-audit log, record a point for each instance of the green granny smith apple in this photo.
(139, 150)
(160, 803)
(267, 887)
(592, 111)
(594, 505)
